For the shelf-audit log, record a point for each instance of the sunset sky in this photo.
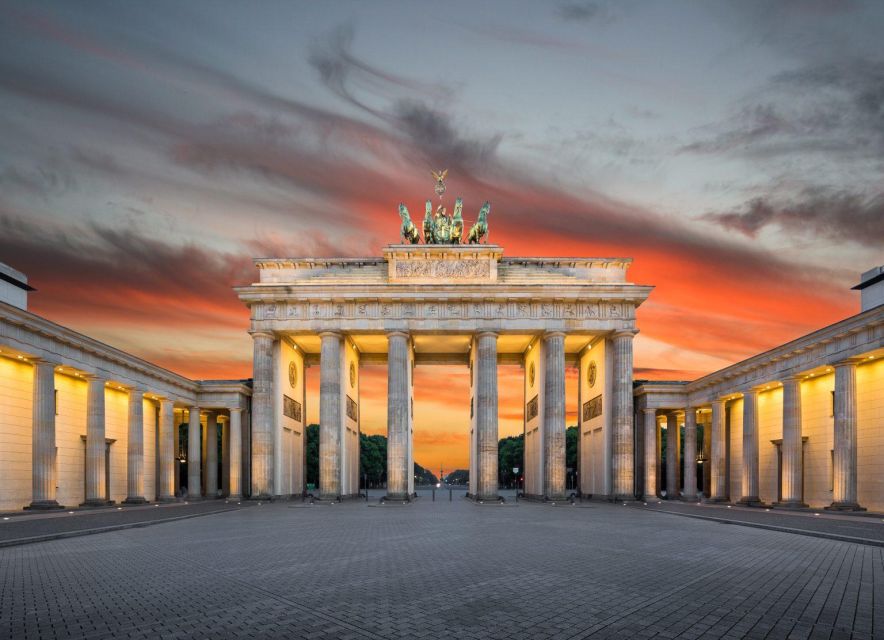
(148, 151)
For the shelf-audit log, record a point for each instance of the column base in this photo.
(690, 498)
(624, 498)
(751, 501)
(43, 505)
(844, 506)
(135, 500)
(715, 500)
(97, 503)
(193, 498)
(233, 497)
(266, 497)
(651, 498)
(167, 499)
(396, 497)
(790, 504)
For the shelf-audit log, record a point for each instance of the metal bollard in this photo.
(450, 491)
(434, 495)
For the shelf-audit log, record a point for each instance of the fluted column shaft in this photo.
(194, 454)
(844, 494)
(750, 448)
(554, 462)
(43, 433)
(135, 448)
(330, 445)
(793, 471)
(95, 443)
(211, 455)
(167, 436)
(262, 416)
(486, 415)
(397, 416)
(235, 448)
(671, 456)
(717, 459)
(690, 453)
(623, 449)
(650, 429)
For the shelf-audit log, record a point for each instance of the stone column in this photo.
(672, 456)
(486, 415)
(554, 462)
(844, 496)
(650, 428)
(398, 401)
(235, 448)
(690, 454)
(716, 459)
(262, 417)
(793, 465)
(212, 455)
(167, 434)
(194, 454)
(135, 449)
(95, 443)
(43, 473)
(750, 449)
(330, 445)
(622, 450)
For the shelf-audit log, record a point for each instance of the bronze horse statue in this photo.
(480, 229)
(429, 225)
(408, 232)
(457, 222)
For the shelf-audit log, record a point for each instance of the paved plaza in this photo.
(443, 569)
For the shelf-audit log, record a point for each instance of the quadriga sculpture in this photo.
(480, 229)
(408, 232)
(457, 222)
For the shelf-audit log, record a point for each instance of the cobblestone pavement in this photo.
(442, 570)
(863, 526)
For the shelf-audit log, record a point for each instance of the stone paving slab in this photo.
(442, 570)
(28, 527)
(838, 526)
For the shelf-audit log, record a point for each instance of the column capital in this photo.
(488, 334)
(847, 362)
(42, 361)
(554, 334)
(396, 332)
(648, 411)
(330, 334)
(237, 409)
(624, 333)
(262, 334)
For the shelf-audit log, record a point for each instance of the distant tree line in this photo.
(372, 461)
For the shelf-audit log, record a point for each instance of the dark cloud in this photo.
(583, 12)
(837, 216)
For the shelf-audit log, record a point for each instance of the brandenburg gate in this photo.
(443, 302)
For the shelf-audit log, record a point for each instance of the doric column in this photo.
(397, 415)
(793, 464)
(330, 445)
(690, 454)
(194, 454)
(750, 449)
(553, 415)
(622, 450)
(167, 434)
(716, 460)
(672, 456)
(262, 416)
(96, 493)
(211, 455)
(135, 449)
(650, 428)
(235, 449)
(844, 496)
(486, 414)
(43, 433)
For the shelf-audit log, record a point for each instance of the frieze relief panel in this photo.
(452, 269)
(444, 309)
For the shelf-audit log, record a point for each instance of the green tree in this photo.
(510, 455)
